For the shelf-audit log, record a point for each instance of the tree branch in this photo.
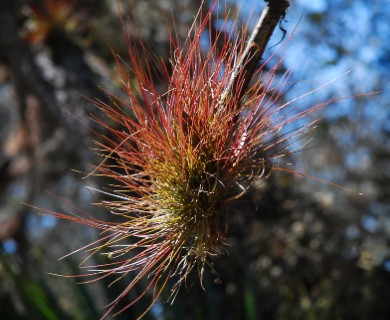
(255, 47)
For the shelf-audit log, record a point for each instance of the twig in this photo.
(255, 47)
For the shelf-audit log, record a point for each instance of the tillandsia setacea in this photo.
(178, 157)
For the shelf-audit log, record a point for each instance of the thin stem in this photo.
(254, 49)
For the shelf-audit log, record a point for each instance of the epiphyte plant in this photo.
(177, 158)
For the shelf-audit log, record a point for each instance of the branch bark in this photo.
(246, 65)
